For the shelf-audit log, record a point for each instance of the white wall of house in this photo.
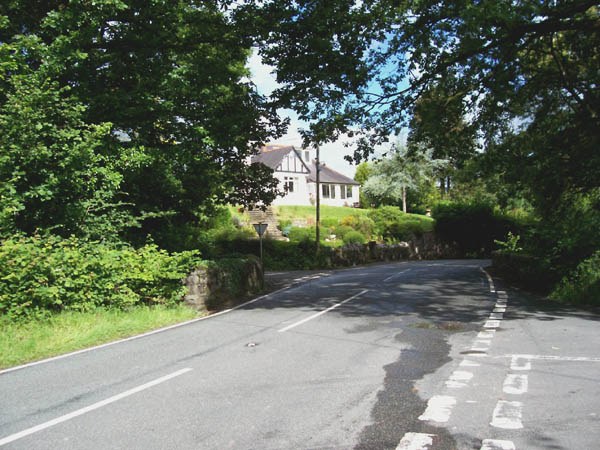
(337, 194)
(300, 193)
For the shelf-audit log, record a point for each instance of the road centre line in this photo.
(395, 275)
(79, 412)
(515, 384)
(439, 408)
(507, 415)
(300, 322)
(496, 444)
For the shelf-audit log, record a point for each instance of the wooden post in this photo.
(318, 199)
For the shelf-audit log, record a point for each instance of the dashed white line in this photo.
(469, 363)
(459, 379)
(486, 334)
(496, 316)
(496, 444)
(395, 275)
(520, 362)
(507, 415)
(439, 408)
(416, 441)
(79, 412)
(516, 384)
(491, 324)
(300, 322)
(499, 309)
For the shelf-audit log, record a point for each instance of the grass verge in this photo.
(24, 342)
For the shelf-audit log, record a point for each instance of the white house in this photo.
(297, 174)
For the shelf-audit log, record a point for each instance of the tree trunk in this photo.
(404, 199)
(448, 186)
(443, 187)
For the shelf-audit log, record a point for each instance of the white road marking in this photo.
(520, 362)
(501, 292)
(499, 309)
(490, 280)
(507, 415)
(100, 404)
(486, 334)
(496, 444)
(395, 275)
(516, 384)
(481, 345)
(300, 322)
(496, 316)
(416, 441)
(439, 408)
(491, 324)
(556, 358)
(459, 379)
(149, 333)
(469, 363)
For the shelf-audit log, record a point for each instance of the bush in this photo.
(582, 286)
(298, 234)
(330, 222)
(473, 226)
(341, 230)
(386, 214)
(400, 230)
(282, 224)
(360, 223)
(41, 275)
(354, 237)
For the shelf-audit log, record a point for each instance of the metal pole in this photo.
(318, 198)
(261, 254)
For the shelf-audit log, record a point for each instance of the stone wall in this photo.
(223, 284)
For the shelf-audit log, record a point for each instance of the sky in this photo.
(332, 154)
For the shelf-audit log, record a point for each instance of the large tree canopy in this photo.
(525, 74)
(168, 77)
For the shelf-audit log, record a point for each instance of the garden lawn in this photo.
(309, 212)
(23, 342)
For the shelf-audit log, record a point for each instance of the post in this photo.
(318, 199)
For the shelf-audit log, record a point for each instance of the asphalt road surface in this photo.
(410, 355)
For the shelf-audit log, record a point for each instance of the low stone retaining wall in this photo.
(223, 284)
(426, 246)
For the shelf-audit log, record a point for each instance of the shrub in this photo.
(297, 234)
(385, 213)
(41, 275)
(330, 222)
(582, 286)
(400, 230)
(354, 237)
(360, 223)
(282, 224)
(341, 230)
(473, 226)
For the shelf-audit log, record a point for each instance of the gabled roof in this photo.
(328, 175)
(272, 155)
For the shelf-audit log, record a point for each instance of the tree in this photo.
(363, 172)
(392, 176)
(525, 73)
(170, 78)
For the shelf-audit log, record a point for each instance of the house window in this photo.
(333, 191)
(342, 191)
(325, 189)
(349, 191)
(288, 184)
(306, 155)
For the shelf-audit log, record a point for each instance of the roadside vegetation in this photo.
(115, 179)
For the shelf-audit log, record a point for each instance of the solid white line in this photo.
(515, 384)
(79, 412)
(555, 358)
(289, 327)
(395, 275)
(496, 444)
(439, 408)
(507, 415)
(149, 333)
(416, 441)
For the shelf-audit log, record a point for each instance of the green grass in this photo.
(306, 212)
(62, 333)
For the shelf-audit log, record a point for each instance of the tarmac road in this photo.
(409, 355)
